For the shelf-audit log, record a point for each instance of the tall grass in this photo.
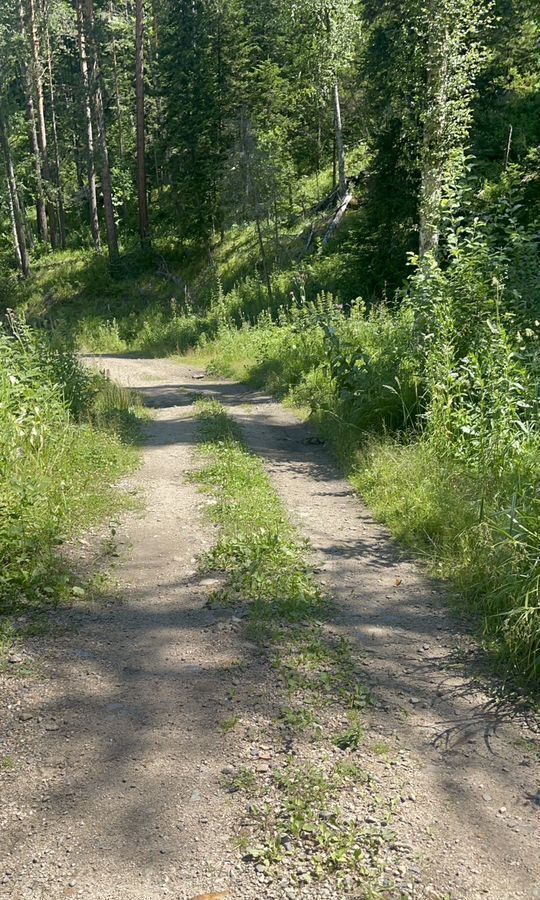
(432, 407)
(65, 436)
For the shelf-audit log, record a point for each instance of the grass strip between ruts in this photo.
(297, 821)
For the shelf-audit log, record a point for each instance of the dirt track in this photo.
(115, 733)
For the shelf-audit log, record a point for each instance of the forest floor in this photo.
(138, 731)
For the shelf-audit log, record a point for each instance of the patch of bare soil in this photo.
(119, 731)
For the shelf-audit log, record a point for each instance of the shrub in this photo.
(56, 466)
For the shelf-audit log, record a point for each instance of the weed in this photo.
(347, 770)
(243, 780)
(297, 720)
(380, 748)
(229, 724)
(305, 824)
(528, 746)
(352, 737)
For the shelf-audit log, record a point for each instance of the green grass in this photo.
(265, 565)
(66, 436)
(432, 504)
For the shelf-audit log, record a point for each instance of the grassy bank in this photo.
(66, 436)
(473, 519)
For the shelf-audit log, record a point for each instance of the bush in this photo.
(56, 465)
(448, 379)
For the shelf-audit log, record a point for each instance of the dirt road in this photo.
(115, 736)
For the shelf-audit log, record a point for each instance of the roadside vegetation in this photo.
(432, 408)
(335, 201)
(430, 401)
(66, 436)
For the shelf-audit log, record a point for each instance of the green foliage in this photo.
(56, 466)
(352, 737)
(449, 378)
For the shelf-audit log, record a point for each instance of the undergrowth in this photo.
(65, 437)
(432, 408)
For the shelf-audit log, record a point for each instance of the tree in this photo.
(451, 57)
(36, 70)
(87, 106)
(144, 227)
(332, 34)
(54, 128)
(96, 94)
(201, 50)
(41, 213)
(421, 60)
(17, 214)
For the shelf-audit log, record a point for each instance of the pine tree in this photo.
(201, 39)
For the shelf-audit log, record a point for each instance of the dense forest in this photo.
(337, 200)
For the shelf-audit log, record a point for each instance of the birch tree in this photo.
(41, 213)
(17, 213)
(54, 126)
(332, 36)
(448, 37)
(37, 72)
(89, 128)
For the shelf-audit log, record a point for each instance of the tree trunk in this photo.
(160, 161)
(58, 172)
(41, 214)
(334, 158)
(97, 100)
(90, 156)
(263, 258)
(430, 205)
(37, 83)
(117, 101)
(14, 232)
(508, 147)
(276, 226)
(340, 149)
(21, 249)
(144, 228)
(432, 159)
